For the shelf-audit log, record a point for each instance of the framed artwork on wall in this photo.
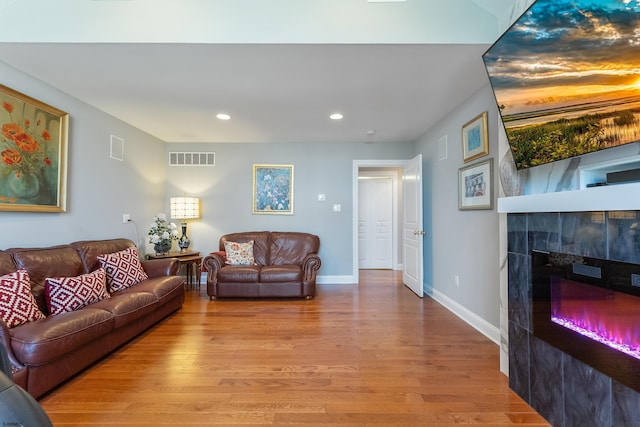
(475, 138)
(475, 186)
(273, 189)
(33, 154)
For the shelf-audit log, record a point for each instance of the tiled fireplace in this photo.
(565, 390)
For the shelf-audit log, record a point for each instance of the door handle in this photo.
(419, 233)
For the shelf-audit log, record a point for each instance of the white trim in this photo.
(477, 322)
(116, 148)
(620, 197)
(357, 164)
(336, 280)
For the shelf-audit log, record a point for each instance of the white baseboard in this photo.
(336, 280)
(477, 322)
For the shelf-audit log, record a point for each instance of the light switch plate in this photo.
(321, 197)
(336, 208)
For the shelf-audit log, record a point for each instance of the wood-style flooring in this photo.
(371, 354)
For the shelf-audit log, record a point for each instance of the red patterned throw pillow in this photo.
(71, 293)
(123, 269)
(17, 304)
(239, 253)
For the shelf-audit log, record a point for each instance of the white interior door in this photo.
(412, 275)
(375, 222)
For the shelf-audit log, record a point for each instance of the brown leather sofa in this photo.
(45, 352)
(286, 265)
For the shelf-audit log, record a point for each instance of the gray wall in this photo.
(225, 192)
(463, 243)
(99, 189)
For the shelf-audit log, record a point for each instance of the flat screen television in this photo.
(566, 78)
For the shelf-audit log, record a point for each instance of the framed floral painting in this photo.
(33, 153)
(273, 189)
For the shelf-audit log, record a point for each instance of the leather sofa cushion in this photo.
(239, 273)
(90, 249)
(6, 263)
(260, 244)
(280, 273)
(161, 287)
(40, 263)
(43, 341)
(128, 307)
(292, 248)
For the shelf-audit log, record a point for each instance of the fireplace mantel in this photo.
(619, 197)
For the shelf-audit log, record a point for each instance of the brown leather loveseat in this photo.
(282, 264)
(45, 352)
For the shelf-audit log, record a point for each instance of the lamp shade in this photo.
(185, 207)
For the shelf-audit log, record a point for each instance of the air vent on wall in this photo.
(192, 159)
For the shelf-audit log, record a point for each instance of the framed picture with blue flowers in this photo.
(33, 154)
(273, 189)
(475, 138)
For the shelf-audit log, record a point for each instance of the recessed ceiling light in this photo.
(336, 116)
(223, 116)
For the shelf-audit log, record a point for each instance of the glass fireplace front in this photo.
(589, 308)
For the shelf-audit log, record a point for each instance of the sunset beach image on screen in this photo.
(566, 78)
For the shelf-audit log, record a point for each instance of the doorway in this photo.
(407, 220)
(390, 168)
(377, 218)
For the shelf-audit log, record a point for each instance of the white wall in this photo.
(225, 192)
(99, 189)
(463, 243)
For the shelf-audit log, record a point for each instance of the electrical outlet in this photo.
(126, 218)
(456, 278)
(336, 208)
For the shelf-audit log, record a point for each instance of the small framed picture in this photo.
(475, 186)
(273, 189)
(475, 138)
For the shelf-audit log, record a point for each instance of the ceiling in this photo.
(169, 66)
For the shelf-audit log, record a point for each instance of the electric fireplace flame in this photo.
(607, 339)
(603, 315)
(589, 308)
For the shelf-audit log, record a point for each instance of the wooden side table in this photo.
(190, 259)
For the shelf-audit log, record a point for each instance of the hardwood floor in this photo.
(372, 354)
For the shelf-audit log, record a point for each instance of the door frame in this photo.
(357, 164)
(395, 177)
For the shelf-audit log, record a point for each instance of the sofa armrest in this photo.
(212, 263)
(310, 266)
(161, 267)
(5, 340)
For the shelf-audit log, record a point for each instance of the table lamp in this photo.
(184, 208)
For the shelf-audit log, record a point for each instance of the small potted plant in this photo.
(162, 234)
